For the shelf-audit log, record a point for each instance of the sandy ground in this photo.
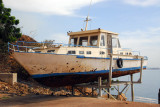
(63, 101)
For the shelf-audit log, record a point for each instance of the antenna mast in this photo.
(87, 19)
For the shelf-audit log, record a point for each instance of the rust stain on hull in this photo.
(41, 64)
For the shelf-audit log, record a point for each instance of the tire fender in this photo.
(120, 62)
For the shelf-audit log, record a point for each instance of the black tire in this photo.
(120, 62)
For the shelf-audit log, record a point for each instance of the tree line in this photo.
(9, 32)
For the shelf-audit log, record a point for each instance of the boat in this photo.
(88, 55)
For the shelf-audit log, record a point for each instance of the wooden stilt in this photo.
(108, 89)
(92, 92)
(72, 90)
(110, 71)
(118, 91)
(140, 79)
(132, 88)
(159, 97)
(99, 86)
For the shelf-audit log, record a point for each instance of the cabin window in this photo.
(37, 51)
(93, 40)
(81, 52)
(51, 51)
(74, 41)
(119, 46)
(102, 43)
(101, 52)
(89, 52)
(126, 53)
(121, 53)
(130, 53)
(71, 52)
(115, 43)
(83, 41)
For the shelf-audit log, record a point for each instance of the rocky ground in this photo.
(20, 89)
(33, 88)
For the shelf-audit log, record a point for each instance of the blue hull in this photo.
(68, 79)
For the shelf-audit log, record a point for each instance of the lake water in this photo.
(148, 89)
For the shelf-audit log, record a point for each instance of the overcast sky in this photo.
(136, 21)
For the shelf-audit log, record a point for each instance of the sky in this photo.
(136, 21)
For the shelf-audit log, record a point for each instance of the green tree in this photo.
(9, 31)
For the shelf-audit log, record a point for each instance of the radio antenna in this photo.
(87, 19)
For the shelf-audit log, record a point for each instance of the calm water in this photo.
(148, 88)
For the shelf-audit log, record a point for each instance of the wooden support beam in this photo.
(132, 88)
(109, 93)
(92, 92)
(118, 92)
(99, 86)
(124, 97)
(115, 88)
(140, 79)
(108, 89)
(159, 97)
(110, 71)
(72, 90)
(124, 88)
(81, 90)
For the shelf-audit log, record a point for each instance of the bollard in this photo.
(159, 97)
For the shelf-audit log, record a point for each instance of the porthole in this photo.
(89, 52)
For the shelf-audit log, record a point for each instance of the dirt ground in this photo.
(63, 101)
(23, 95)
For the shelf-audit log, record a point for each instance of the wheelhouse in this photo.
(90, 43)
(94, 38)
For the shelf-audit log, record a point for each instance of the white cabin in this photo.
(90, 43)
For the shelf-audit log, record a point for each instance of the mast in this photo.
(87, 19)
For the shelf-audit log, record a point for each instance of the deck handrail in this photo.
(54, 45)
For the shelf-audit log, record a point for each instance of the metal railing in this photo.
(20, 46)
(16, 46)
(40, 47)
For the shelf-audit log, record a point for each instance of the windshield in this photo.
(93, 40)
(115, 43)
(74, 41)
(83, 41)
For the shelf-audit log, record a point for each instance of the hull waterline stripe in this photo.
(85, 73)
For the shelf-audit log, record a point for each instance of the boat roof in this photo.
(91, 31)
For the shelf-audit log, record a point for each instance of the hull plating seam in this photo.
(84, 73)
